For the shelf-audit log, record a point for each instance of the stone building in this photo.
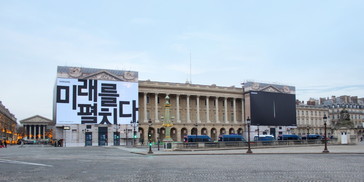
(95, 107)
(8, 125)
(208, 110)
(37, 128)
(310, 120)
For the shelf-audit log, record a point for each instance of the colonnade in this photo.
(197, 119)
(35, 131)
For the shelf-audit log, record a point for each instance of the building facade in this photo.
(310, 118)
(196, 109)
(95, 107)
(8, 125)
(37, 129)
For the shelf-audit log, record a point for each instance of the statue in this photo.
(344, 120)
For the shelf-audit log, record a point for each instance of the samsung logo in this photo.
(64, 81)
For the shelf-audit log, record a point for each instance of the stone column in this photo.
(30, 132)
(198, 109)
(217, 109)
(39, 131)
(44, 128)
(242, 111)
(34, 131)
(177, 109)
(234, 110)
(26, 131)
(178, 135)
(207, 109)
(188, 109)
(145, 130)
(156, 108)
(145, 108)
(226, 113)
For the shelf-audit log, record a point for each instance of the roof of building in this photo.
(6, 112)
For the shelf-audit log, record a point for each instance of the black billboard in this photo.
(272, 109)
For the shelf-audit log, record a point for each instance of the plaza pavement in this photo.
(316, 149)
(120, 163)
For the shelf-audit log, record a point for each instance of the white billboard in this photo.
(80, 101)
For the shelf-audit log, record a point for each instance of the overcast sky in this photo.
(316, 46)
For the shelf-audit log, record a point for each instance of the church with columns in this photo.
(37, 128)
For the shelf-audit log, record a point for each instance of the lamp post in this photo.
(308, 133)
(258, 130)
(325, 150)
(150, 137)
(134, 123)
(249, 150)
(196, 131)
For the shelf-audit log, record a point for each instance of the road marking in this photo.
(20, 162)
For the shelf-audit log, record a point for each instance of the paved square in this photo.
(117, 164)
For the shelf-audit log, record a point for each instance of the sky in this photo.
(314, 45)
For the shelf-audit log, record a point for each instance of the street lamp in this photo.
(325, 150)
(150, 137)
(248, 122)
(308, 133)
(134, 123)
(196, 131)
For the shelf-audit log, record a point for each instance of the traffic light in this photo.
(150, 142)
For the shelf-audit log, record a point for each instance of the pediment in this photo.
(36, 119)
(271, 89)
(103, 75)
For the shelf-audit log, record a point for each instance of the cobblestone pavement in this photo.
(119, 164)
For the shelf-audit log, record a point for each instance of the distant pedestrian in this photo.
(361, 139)
(21, 143)
(5, 144)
